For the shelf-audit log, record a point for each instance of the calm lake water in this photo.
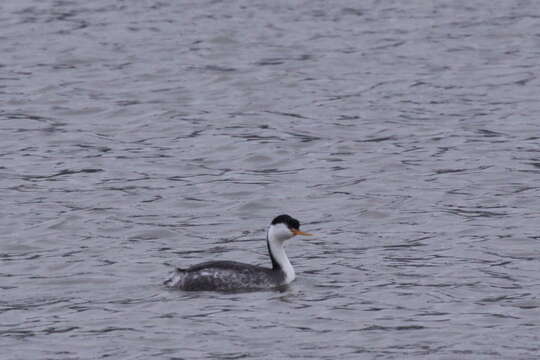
(140, 135)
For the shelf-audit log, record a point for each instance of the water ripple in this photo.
(137, 138)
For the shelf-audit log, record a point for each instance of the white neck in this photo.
(276, 239)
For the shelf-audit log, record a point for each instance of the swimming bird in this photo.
(232, 275)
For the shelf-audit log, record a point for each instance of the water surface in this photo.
(135, 136)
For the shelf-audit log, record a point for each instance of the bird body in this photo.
(232, 275)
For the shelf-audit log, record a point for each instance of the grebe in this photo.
(232, 275)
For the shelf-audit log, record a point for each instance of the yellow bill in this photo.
(298, 232)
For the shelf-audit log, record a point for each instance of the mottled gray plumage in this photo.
(225, 276)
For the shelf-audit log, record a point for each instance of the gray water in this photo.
(140, 135)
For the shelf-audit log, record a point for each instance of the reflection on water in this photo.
(136, 137)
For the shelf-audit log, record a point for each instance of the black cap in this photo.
(291, 222)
